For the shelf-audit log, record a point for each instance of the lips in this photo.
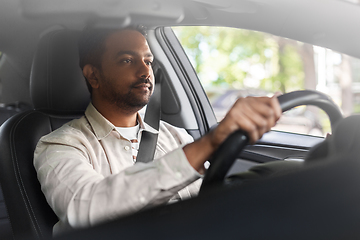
(143, 83)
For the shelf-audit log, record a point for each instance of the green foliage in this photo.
(235, 58)
(290, 75)
(356, 108)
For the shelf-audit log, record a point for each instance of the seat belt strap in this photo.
(152, 117)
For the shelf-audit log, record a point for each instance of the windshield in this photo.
(233, 63)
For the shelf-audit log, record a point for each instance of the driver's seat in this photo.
(59, 94)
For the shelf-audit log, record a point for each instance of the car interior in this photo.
(59, 95)
(269, 190)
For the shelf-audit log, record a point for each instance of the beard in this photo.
(128, 100)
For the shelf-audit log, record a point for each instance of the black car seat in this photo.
(59, 94)
(7, 111)
(10, 109)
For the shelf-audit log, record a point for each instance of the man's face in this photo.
(126, 75)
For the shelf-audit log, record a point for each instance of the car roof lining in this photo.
(278, 17)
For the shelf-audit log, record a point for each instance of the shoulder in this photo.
(179, 134)
(70, 133)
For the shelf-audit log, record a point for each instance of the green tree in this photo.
(225, 57)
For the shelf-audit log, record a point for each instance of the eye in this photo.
(127, 60)
(149, 63)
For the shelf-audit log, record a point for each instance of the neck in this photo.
(118, 117)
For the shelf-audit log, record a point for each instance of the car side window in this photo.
(233, 63)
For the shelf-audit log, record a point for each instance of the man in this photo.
(86, 167)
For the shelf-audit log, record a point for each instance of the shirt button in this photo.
(127, 148)
(178, 175)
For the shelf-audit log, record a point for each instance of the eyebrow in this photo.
(129, 52)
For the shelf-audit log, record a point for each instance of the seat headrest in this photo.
(56, 81)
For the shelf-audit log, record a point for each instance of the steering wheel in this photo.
(229, 150)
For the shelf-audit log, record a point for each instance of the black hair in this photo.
(92, 45)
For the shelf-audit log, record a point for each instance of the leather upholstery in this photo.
(59, 94)
(56, 80)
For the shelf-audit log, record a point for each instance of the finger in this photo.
(236, 119)
(263, 106)
(260, 126)
(270, 108)
(260, 122)
(250, 121)
(276, 94)
(276, 106)
(254, 115)
(248, 126)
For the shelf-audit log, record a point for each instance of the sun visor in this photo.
(134, 11)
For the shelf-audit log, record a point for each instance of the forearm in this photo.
(81, 197)
(199, 152)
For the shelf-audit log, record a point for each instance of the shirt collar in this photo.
(103, 127)
(144, 126)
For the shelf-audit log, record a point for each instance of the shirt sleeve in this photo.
(80, 196)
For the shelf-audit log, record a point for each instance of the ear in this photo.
(90, 73)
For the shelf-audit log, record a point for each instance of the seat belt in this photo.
(152, 117)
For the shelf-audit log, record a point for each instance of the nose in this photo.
(145, 70)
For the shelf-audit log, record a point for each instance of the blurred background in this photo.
(233, 63)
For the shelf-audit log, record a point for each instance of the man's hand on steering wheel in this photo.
(253, 115)
(226, 154)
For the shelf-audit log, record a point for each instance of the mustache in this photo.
(142, 81)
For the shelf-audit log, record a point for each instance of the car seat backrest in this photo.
(59, 94)
(56, 81)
